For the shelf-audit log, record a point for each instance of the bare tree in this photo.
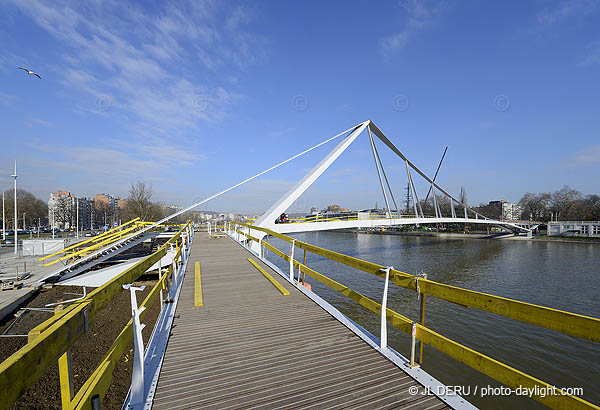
(26, 202)
(139, 204)
(63, 211)
(564, 199)
(102, 213)
(535, 206)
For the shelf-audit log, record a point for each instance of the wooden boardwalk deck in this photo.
(249, 346)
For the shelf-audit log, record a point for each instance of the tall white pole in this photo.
(77, 199)
(15, 224)
(3, 219)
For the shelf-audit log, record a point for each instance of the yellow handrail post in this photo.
(304, 263)
(65, 373)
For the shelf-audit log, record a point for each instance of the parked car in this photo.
(9, 242)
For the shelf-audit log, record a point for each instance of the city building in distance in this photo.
(64, 208)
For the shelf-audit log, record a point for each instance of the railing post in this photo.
(174, 277)
(260, 249)
(137, 377)
(293, 245)
(383, 336)
(208, 228)
(422, 297)
(413, 337)
(65, 373)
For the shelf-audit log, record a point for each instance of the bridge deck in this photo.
(251, 346)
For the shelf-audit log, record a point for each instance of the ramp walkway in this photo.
(250, 346)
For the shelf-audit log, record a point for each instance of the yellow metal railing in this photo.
(92, 240)
(569, 323)
(84, 248)
(50, 341)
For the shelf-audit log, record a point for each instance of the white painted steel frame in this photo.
(267, 220)
(376, 223)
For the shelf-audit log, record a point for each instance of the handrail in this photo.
(569, 323)
(100, 380)
(106, 241)
(93, 239)
(541, 391)
(51, 339)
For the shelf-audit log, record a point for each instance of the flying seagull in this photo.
(30, 72)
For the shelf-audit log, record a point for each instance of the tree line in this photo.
(566, 204)
(35, 209)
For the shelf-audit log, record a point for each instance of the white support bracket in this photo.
(137, 377)
(413, 339)
(383, 337)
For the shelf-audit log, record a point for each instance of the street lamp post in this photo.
(3, 219)
(77, 226)
(16, 234)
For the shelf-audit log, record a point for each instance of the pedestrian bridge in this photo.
(338, 223)
(234, 330)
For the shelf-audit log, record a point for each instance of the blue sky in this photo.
(193, 97)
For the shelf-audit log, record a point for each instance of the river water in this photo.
(563, 276)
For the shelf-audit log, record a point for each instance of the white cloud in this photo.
(7, 99)
(36, 122)
(151, 66)
(589, 155)
(567, 9)
(420, 15)
(592, 54)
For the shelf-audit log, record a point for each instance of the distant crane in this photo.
(28, 71)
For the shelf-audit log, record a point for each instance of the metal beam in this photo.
(391, 145)
(387, 205)
(267, 220)
(387, 182)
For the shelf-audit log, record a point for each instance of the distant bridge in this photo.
(387, 222)
(468, 214)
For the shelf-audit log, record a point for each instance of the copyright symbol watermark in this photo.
(501, 102)
(103, 102)
(299, 205)
(413, 390)
(300, 103)
(200, 103)
(401, 103)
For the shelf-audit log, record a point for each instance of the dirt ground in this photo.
(87, 351)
